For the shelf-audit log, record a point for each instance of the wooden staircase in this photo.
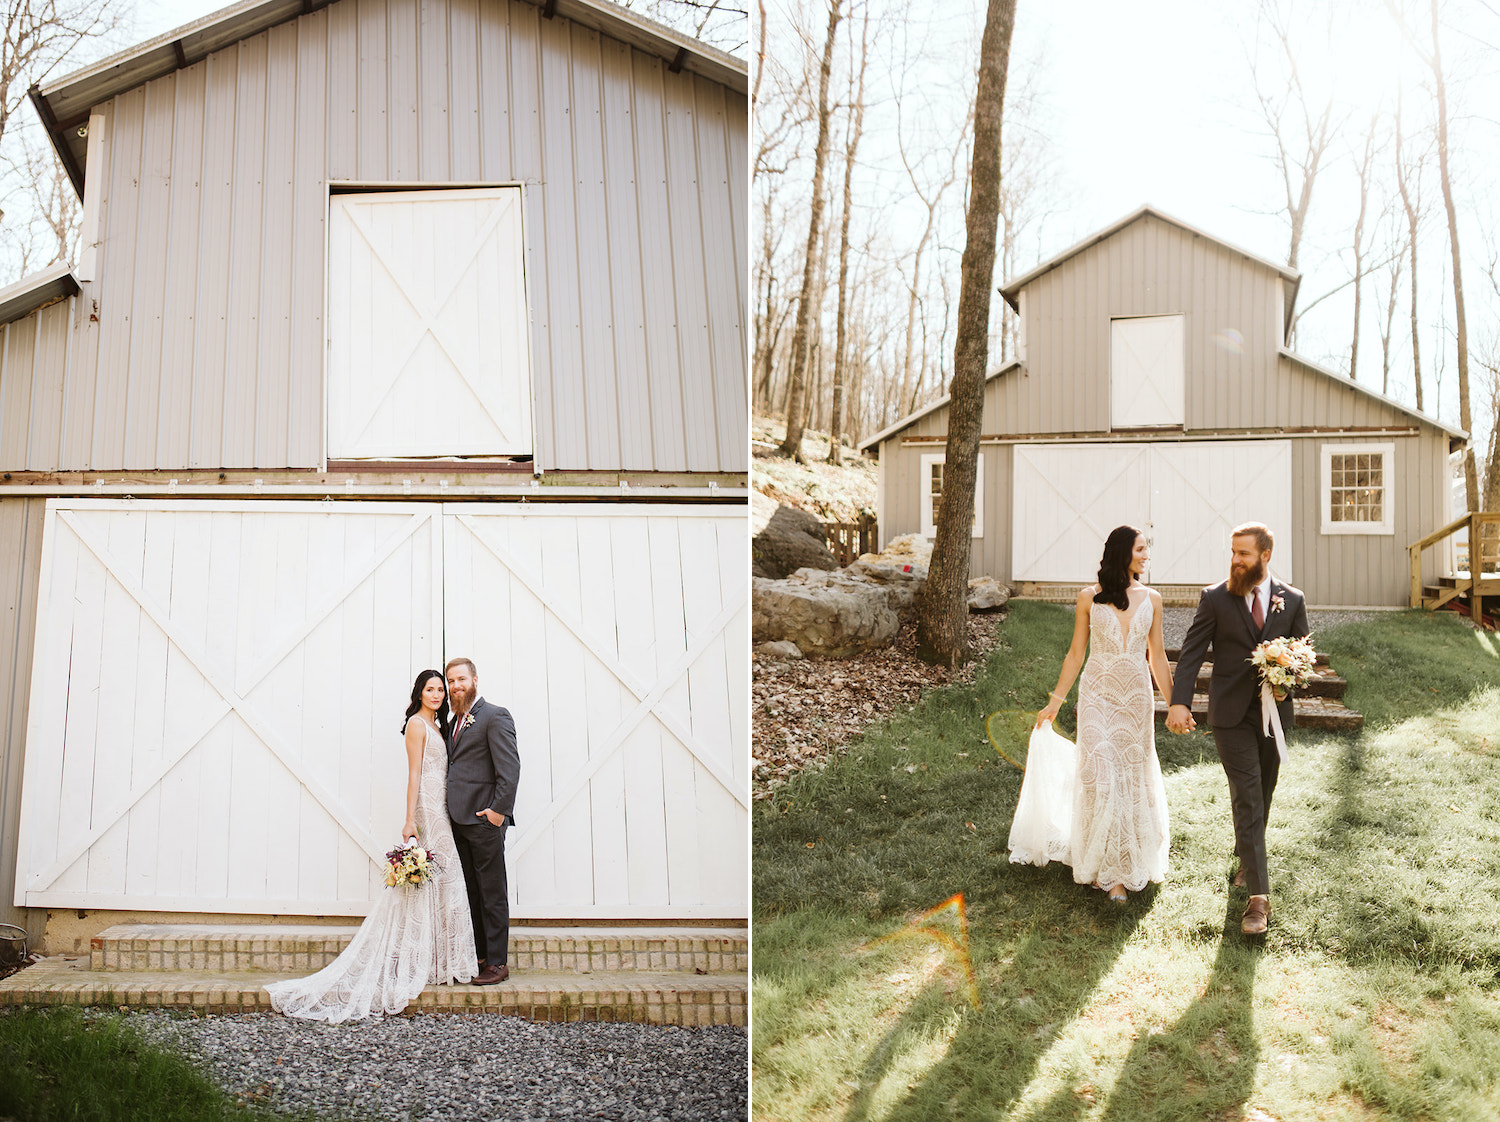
(1319, 706)
(1477, 578)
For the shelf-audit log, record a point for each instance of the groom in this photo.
(1233, 618)
(483, 767)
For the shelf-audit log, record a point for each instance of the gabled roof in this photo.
(913, 418)
(30, 293)
(64, 104)
(1343, 380)
(1012, 289)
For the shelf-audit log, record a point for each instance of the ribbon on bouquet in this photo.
(1270, 719)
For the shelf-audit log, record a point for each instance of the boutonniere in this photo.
(1278, 603)
(464, 722)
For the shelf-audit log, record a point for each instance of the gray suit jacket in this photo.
(1224, 624)
(483, 764)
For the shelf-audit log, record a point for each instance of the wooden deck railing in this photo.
(847, 540)
(1478, 578)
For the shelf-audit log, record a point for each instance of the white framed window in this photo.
(931, 493)
(1355, 494)
(1146, 372)
(428, 327)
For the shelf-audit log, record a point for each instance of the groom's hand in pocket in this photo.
(491, 817)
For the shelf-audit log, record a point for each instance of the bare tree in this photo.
(1409, 183)
(855, 129)
(1395, 260)
(792, 445)
(1302, 133)
(719, 23)
(942, 628)
(1364, 167)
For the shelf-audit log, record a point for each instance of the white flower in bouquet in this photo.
(409, 863)
(1285, 664)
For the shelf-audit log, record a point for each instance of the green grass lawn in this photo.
(65, 1065)
(1376, 993)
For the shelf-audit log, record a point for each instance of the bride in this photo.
(417, 934)
(1119, 835)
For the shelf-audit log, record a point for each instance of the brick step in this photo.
(1324, 683)
(1308, 713)
(302, 949)
(669, 998)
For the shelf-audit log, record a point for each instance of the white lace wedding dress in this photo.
(416, 935)
(1120, 827)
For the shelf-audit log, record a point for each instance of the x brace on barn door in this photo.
(648, 699)
(233, 698)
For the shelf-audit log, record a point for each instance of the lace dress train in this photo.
(1120, 824)
(417, 935)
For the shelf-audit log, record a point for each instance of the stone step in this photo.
(302, 949)
(659, 998)
(1324, 683)
(1308, 713)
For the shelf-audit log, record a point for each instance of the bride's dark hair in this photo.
(1114, 568)
(416, 700)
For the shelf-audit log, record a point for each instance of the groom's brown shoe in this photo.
(1257, 915)
(1239, 877)
(490, 975)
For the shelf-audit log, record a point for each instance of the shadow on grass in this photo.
(1030, 994)
(1213, 1041)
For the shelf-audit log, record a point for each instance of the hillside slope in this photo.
(834, 494)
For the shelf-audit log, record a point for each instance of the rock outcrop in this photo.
(791, 539)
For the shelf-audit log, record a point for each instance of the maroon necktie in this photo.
(1257, 614)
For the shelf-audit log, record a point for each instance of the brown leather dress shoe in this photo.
(1257, 915)
(490, 975)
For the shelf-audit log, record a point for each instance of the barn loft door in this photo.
(1068, 497)
(1186, 496)
(218, 689)
(1146, 383)
(428, 329)
(217, 693)
(619, 638)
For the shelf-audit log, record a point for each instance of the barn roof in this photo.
(870, 442)
(30, 293)
(63, 105)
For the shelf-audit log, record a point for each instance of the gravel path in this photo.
(441, 1066)
(1174, 621)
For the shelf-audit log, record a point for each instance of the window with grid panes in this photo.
(1356, 481)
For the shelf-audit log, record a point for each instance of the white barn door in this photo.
(1068, 497)
(619, 639)
(216, 702)
(1202, 490)
(1146, 380)
(428, 351)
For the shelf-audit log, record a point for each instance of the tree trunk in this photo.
(942, 627)
(840, 346)
(1359, 247)
(1465, 421)
(792, 445)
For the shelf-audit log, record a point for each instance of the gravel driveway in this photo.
(1175, 621)
(467, 1066)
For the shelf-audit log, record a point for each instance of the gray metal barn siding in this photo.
(1153, 267)
(208, 352)
(20, 569)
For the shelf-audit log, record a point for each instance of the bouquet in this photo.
(409, 863)
(1284, 664)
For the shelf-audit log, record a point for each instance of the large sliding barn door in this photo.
(619, 639)
(1068, 497)
(1186, 496)
(217, 693)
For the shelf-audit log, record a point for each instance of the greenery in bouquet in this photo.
(409, 863)
(1285, 664)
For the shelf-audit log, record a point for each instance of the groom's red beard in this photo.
(460, 701)
(1243, 578)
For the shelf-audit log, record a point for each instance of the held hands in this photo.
(1180, 719)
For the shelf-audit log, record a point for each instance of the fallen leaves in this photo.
(806, 712)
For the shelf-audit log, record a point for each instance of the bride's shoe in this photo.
(1118, 895)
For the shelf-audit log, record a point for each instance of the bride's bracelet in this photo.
(1064, 697)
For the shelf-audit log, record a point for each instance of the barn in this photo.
(401, 330)
(1153, 385)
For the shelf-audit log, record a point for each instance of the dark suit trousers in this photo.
(481, 852)
(1251, 765)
